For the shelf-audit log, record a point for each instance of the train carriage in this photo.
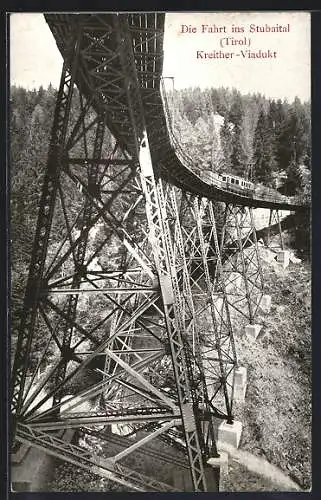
(234, 181)
(229, 182)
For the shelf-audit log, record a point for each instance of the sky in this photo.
(191, 41)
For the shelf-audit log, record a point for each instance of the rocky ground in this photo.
(276, 415)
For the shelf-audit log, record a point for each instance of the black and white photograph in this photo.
(160, 251)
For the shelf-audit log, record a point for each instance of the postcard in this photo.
(160, 169)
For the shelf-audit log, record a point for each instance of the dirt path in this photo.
(262, 467)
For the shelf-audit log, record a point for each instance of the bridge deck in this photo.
(102, 80)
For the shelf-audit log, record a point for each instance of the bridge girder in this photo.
(135, 285)
(144, 256)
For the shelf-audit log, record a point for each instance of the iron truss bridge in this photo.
(126, 332)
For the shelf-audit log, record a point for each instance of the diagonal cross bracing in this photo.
(140, 257)
(46, 209)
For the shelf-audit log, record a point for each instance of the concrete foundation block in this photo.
(240, 383)
(34, 472)
(240, 393)
(229, 434)
(21, 486)
(220, 463)
(283, 257)
(265, 303)
(240, 376)
(18, 456)
(253, 330)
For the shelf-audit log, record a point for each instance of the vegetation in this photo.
(223, 130)
(277, 413)
(31, 116)
(249, 135)
(68, 477)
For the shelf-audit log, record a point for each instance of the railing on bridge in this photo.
(260, 191)
(170, 254)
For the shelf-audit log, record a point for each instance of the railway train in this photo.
(229, 182)
(226, 181)
(239, 185)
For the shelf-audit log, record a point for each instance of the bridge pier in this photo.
(265, 304)
(242, 263)
(275, 219)
(229, 434)
(156, 312)
(283, 257)
(221, 465)
(253, 330)
(240, 383)
(32, 471)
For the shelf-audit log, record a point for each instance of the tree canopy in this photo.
(265, 140)
(261, 139)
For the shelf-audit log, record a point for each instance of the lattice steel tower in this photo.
(126, 316)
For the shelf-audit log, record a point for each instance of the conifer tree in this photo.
(264, 150)
(238, 156)
(226, 143)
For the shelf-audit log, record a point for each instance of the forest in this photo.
(249, 135)
(263, 140)
(222, 130)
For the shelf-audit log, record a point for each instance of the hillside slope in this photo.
(276, 414)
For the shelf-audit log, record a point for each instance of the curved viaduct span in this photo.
(147, 34)
(133, 287)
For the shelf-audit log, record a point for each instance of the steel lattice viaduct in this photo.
(162, 260)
